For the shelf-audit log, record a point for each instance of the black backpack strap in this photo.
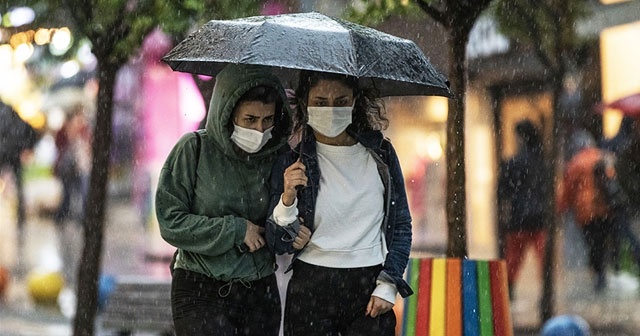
(198, 145)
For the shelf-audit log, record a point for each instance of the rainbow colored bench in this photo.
(456, 297)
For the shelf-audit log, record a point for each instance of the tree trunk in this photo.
(93, 221)
(456, 180)
(547, 302)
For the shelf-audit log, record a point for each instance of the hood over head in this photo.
(233, 82)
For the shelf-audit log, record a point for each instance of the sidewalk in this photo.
(127, 243)
(611, 312)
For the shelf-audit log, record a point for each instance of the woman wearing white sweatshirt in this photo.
(343, 186)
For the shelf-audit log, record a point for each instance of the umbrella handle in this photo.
(302, 136)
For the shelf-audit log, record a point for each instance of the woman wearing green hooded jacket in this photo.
(212, 201)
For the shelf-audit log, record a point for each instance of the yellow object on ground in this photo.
(44, 287)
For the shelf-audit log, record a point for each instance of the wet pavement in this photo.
(131, 248)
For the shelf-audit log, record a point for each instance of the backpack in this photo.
(609, 188)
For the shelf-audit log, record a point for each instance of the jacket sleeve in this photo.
(279, 238)
(179, 225)
(400, 245)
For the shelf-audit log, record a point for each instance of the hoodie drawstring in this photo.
(225, 289)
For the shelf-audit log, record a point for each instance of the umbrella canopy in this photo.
(629, 105)
(311, 41)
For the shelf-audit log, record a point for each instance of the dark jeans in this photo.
(74, 188)
(596, 234)
(204, 306)
(332, 301)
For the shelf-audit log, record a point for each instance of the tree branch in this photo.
(467, 12)
(471, 9)
(546, 8)
(536, 34)
(553, 18)
(433, 12)
(81, 12)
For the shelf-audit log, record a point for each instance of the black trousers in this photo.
(596, 234)
(326, 301)
(205, 306)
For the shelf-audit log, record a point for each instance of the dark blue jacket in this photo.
(522, 183)
(397, 219)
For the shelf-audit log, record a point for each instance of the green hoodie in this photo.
(208, 223)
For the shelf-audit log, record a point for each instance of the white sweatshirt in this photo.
(348, 215)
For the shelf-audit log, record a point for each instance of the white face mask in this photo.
(330, 121)
(250, 140)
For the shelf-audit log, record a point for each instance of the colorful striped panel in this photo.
(484, 298)
(454, 297)
(471, 311)
(411, 303)
(424, 299)
(438, 297)
(500, 298)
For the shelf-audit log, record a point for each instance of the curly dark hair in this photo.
(369, 113)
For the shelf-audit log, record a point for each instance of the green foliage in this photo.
(627, 260)
(179, 17)
(372, 13)
(547, 25)
(116, 28)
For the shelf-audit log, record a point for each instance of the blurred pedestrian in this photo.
(345, 182)
(212, 202)
(73, 164)
(580, 194)
(620, 211)
(624, 188)
(16, 137)
(522, 186)
(167, 104)
(628, 166)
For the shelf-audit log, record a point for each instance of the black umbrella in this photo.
(311, 41)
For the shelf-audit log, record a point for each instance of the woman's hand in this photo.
(294, 176)
(378, 306)
(253, 238)
(303, 237)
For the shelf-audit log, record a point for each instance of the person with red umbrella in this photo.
(579, 193)
(623, 189)
(629, 105)
(628, 165)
